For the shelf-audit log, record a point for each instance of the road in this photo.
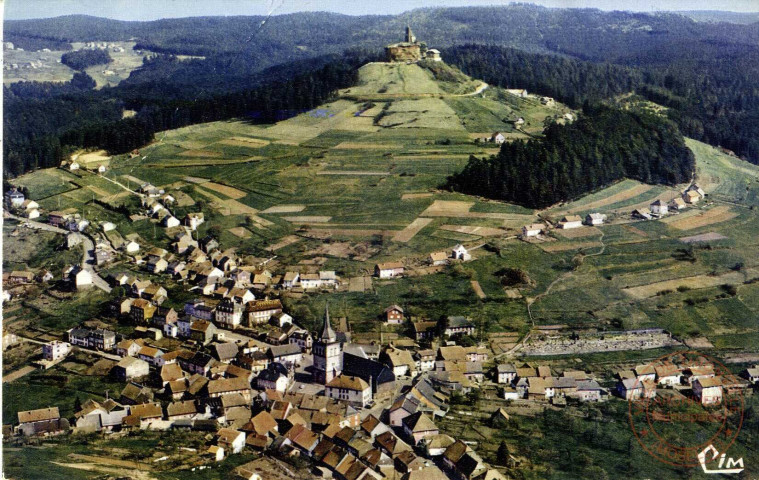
(88, 258)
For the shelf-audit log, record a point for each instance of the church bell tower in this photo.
(328, 353)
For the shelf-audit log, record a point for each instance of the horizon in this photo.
(142, 10)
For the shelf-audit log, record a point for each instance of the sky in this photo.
(154, 9)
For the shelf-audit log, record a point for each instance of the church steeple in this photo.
(328, 334)
(410, 37)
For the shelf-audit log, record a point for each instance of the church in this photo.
(328, 353)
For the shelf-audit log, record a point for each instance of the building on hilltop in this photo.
(328, 353)
(409, 50)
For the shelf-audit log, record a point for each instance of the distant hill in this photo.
(744, 18)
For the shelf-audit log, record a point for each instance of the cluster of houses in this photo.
(706, 384)
(567, 222)
(18, 203)
(538, 383)
(658, 208)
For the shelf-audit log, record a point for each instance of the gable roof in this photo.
(39, 415)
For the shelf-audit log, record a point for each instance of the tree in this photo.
(502, 456)
(77, 404)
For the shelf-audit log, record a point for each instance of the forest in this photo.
(604, 145)
(81, 59)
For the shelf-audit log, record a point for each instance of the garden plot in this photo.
(710, 217)
(284, 242)
(578, 232)
(308, 219)
(411, 230)
(704, 237)
(245, 142)
(474, 230)
(447, 208)
(285, 209)
(225, 190)
(414, 196)
(694, 282)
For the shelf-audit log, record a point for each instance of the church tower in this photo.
(328, 353)
(410, 37)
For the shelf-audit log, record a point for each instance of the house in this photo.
(498, 138)
(351, 389)
(20, 277)
(388, 269)
(379, 376)
(532, 230)
(275, 377)
(129, 368)
(128, 348)
(460, 252)
(667, 374)
(156, 264)
(73, 166)
(302, 339)
(751, 374)
(425, 360)
(151, 355)
(438, 258)
(310, 280)
(691, 197)
(202, 331)
(229, 313)
(289, 354)
(696, 372)
(419, 426)
(96, 416)
(142, 310)
(393, 315)
(570, 221)
(281, 319)
(131, 247)
(208, 243)
(708, 391)
(232, 441)
(519, 92)
(193, 220)
(459, 325)
(143, 415)
(164, 315)
(697, 189)
(14, 197)
(260, 311)
(433, 55)
(505, 373)
(43, 421)
(658, 208)
(588, 391)
(182, 410)
(226, 352)
(170, 221)
(642, 213)
(676, 204)
(400, 361)
(290, 279)
(424, 330)
(55, 350)
(98, 339)
(634, 389)
(595, 219)
(101, 169)
(228, 386)
(645, 373)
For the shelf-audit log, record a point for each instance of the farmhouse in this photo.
(532, 230)
(459, 325)
(44, 421)
(129, 368)
(260, 311)
(393, 315)
(434, 55)
(419, 426)
(708, 390)
(634, 389)
(506, 373)
(595, 219)
(55, 350)
(667, 375)
(438, 258)
(676, 204)
(751, 374)
(193, 220)
(642, 213)
(658, 208)
(275, 377)
(230, 440)
(96, 416)
(691, 197)
(570, 221)
(388, 270)
(498, 138)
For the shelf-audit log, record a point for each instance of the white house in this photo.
(388, 269)
(595, 219)
(570, 221)
(232, 441)
(101, 169)
(460, 252)
(691, 197)
(677, 203)
(506, 373)
(274, 377)
(532, 230)
(83, 279)
(108, 226)
(667, 374)
(32, 214)
(708, 390)
(74, 166)
(497, 138)
(353, 390)
(193, 220)
(55, 350)
(132, 247)
(658, 208)
(642, 213)
(170, 221)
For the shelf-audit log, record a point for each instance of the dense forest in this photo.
(81, 59)
(604, 145)
(706, 74)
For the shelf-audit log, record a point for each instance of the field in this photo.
(356, 181)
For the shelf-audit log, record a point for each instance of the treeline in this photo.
(604, 145)
(47, 128)
(711, 92)
(81, 59)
